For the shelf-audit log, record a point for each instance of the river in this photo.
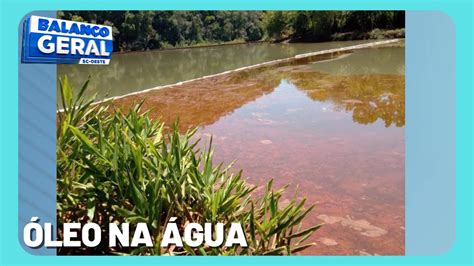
(332, 129)
(136, 71)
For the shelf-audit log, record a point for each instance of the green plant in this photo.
(116, 167)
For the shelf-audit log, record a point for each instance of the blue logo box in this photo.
(57, 41)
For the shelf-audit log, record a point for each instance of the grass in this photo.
(120, 166)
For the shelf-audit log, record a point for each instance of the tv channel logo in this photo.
(57, 41)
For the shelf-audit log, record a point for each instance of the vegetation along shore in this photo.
(146, 30)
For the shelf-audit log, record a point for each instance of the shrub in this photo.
(116, 167)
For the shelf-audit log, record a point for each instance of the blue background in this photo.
(461, 15)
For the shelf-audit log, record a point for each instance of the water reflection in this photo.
(368, 97)
(138, 71)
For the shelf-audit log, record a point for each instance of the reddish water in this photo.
(340, 139)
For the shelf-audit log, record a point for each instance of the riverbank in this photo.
(195, 46)
(376, 34)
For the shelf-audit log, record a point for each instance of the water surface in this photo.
(130, 72)
(334, 129)
(387, 60)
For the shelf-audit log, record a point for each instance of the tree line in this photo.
(143, 30)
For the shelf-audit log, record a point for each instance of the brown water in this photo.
(333, 128)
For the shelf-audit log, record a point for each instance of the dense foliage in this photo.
(328, 25)
(138, 30)
(116, 167)
(141, 30)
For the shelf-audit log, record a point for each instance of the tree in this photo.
(140, 30)
(137, 29)
(276, 24)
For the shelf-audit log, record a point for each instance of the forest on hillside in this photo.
(144, 30)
